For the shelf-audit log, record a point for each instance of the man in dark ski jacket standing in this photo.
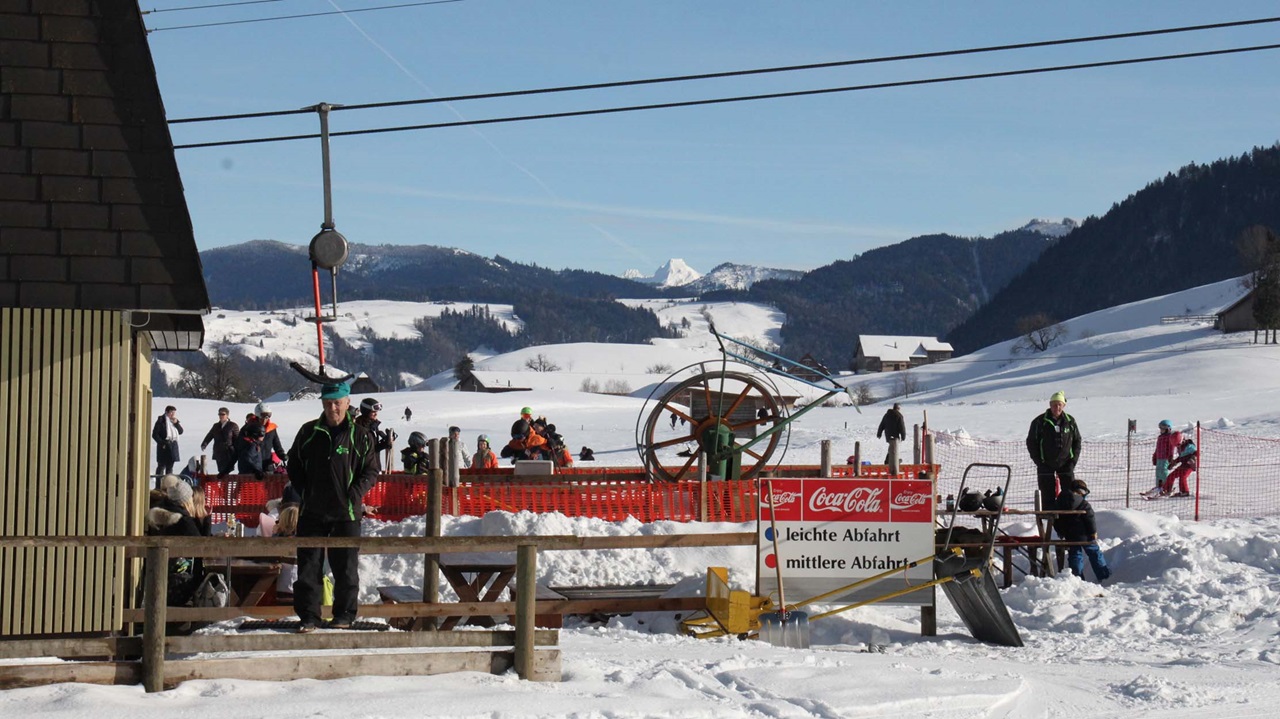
(1054, 444)
(332, 464)
(223, 435)
(165, 433)
(894, 428)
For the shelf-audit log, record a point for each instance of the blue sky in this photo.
(794, 183)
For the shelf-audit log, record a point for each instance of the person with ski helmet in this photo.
(414, 458)
(1053, 441)
(1181, 468)
(369, 409)
(273, 453)
(484, 457)
(1167, 445)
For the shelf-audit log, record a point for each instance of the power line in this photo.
(206, 7)
(741, 98)
(295, 17)
(757, 71)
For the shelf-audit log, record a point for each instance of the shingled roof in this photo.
(92, 213)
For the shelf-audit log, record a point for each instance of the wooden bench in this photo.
(400, 594)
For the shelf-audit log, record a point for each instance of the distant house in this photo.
(98, 270)
(885, 353)
(364, 385)
(1238, 316)
(493, 382)
(812, 370)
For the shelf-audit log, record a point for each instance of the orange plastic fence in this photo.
(397, 496)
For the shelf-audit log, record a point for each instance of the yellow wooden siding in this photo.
(68, 465)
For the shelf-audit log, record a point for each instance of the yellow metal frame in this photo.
(729, 611)
(737, 612)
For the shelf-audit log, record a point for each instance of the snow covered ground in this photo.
(1187, 625)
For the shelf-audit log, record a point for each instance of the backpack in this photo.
(212, 592)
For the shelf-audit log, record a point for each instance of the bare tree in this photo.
(862, 395)
(589, 385)
(541, 363)
(617, 386)
(904, 383)
(219, 379)
(1039, 332)
(660, 368)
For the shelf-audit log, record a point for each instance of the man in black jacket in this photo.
(223, 435)
(894, 428)
(165, 433)
(332, 464)
(1080, 528)
(1054, 445)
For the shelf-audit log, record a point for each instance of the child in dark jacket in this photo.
(1080, 528)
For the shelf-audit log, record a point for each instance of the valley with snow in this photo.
(1188, 624)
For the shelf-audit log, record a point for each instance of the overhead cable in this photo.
(295, 17)
(741, 98)
(741, 73)
(207, 7)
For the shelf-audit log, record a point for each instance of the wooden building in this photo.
(1238, 316)
(98, 268)
(885, 353)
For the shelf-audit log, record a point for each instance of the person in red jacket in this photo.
(484, 457)
(1181, 468)
(1167, 445)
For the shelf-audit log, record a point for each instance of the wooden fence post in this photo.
(526, 596)
(156, 600)
(857, 459)
(825, 445)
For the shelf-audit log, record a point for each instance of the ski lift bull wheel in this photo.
(745, 404)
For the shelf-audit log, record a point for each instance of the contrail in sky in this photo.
(623, 245)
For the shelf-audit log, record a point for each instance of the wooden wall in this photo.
(72, 462)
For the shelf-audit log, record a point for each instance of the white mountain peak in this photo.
(674, 273)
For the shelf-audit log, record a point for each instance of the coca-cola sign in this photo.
(912, 500)
(848, 501)
(787, 500)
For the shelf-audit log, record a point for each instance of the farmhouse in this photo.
(885, 353)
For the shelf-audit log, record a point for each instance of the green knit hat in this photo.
(1059, 396)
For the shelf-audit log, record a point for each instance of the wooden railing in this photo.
(155, 673)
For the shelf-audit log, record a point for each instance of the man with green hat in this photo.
(332, 464)
(1054, 445)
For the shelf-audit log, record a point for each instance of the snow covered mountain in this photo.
(1049, 228)
(675, 273)
(730, 276)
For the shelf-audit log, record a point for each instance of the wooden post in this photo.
(825, 446)
(156, 601)
(431, 562)
(915, 444)
(526, 595)
(928, 452)
(857, 459)
(451, 460)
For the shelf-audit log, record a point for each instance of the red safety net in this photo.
(1239, 476)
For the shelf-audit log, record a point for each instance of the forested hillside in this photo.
(1178, 232)
(923, 286)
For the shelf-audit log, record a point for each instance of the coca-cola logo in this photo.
(782, 499)
(860, 499)
(907, 500)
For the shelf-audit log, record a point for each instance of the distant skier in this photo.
(408, 414)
